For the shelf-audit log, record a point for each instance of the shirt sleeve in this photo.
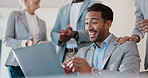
(23, 44)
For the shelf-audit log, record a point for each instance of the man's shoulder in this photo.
(127, 47)
(64, 8)
(65, 5)
(129, 43)
(126, 43)
(84, 50)
(18, 12)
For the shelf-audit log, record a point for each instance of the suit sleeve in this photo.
(83, 36)
(55, 31)
(9, 35)
(139, 16)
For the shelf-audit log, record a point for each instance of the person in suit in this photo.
(24, 28)
(104, 57)
(69, 29)
(141, 26)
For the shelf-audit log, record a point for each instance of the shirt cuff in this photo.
(23, 44)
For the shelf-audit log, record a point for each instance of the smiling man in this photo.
(104, 57)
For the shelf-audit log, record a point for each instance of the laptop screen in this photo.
(39, 60)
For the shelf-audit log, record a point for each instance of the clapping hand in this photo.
(66, 35)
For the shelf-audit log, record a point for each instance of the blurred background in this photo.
(123, 24)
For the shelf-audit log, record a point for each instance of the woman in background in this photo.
(24, 28)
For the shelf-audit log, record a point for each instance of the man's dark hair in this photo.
(107, 13)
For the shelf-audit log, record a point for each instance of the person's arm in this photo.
(9, 35)
(83, 36)
(56, 30)
(139, 16)
(61, 36)
(66, 35)
(79, 35)
(128, 68)
(137, 35)
(134, 38)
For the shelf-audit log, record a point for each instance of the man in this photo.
(104, 57)
(141, 27)
(69, 30)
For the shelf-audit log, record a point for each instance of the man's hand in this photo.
(66, 35)
(71, 32)
(143, 25)
(134, 38)
(63, 36)
(79, 65)
(67, 69)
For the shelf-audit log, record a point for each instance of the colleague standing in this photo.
(69, 29)
(24, 28)
(141, 26)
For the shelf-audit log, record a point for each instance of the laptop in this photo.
(39, 60)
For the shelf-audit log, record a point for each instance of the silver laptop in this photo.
(39, 60)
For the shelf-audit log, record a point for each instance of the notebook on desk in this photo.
(39, 60)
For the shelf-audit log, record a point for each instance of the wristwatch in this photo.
(95, 71)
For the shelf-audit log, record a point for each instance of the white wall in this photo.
(123, 24)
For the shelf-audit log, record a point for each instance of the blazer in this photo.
(63, 19)
(141, 13)
(17, 30)
(118, 59)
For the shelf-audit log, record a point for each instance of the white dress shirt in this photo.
(74, 12)
(33, 28)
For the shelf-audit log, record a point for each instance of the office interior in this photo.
(123, 24)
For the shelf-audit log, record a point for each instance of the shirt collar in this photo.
(105, 42)
(29, 15)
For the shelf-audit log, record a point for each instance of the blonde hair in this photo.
(22, 3)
